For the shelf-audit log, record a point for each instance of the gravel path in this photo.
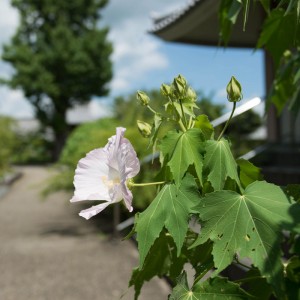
(48, 252)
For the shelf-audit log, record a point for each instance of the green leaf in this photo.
(248, 172)
(170, 208)
(156, 127)
(219, 163)
(278, 27)
(216, 288)
(183, 149)
(247, 225)
(206, 127)
(293, 191)
(266, 5)
(234, 10)
(161, 260)
(257, 285)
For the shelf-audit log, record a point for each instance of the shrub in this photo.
(8, 141)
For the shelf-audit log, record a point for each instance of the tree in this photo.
(61, 58)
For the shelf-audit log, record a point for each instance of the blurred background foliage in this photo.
(9, 140)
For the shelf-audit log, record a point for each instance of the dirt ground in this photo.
(48, 252)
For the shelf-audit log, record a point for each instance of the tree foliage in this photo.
(60, 58)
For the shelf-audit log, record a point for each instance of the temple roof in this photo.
(197, 23)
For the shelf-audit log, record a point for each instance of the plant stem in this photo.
(243, 265)
(206, 267)
(148, 183)
(181, 125)
(151, 109)
(249, 279)
(227, 123)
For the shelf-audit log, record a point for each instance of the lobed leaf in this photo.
(215, 288)
(161, 260)
(206, 127)
(247, 225)
(183, 149)
(219, 163)
(170, 208)
(248, 172)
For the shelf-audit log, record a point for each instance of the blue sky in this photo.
(142, 61)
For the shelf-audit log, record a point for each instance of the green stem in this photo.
(148, 183)
(190, 122)
(227, 123)
(206, 267)
(181, 125)
(243, 265)
(248, 279)
(151, 109)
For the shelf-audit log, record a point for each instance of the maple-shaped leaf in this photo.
(161, 260)
(219, 163)
(213, 288)
(206, 127)
(248, 172)
(248, 225)
(183, 149)
(170, 208)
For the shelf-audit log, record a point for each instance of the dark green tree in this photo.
(60, 57)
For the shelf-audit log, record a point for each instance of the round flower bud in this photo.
(191, 94)
(165, 90)
(144, 128)
(179, 84)
(142, 98)
(234, 90)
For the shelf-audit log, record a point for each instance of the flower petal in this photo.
(127, 196)
(112, 147)
(129, 164)
(94, 210)
(90, 175)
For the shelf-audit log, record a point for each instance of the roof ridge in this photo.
(163, 21)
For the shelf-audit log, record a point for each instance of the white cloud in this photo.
(136, 53)
(13, 103)
(9, 20)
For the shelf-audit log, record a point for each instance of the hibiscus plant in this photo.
(211, 211)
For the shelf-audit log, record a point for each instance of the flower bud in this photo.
(234, 90)
(179, 84)
(165, 90)
(142, 98)
(144, 128)
(191, 95)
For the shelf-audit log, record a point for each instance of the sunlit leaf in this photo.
(182, 150)
(219, 163)
(206, 127)
(248, 172)
(215, 288)
(247, 225)
(170, 209)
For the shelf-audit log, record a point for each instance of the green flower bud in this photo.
(144, 128)
(234, 90)
(179, 84)
(191, 94)
(165, 90)
(142, 98)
